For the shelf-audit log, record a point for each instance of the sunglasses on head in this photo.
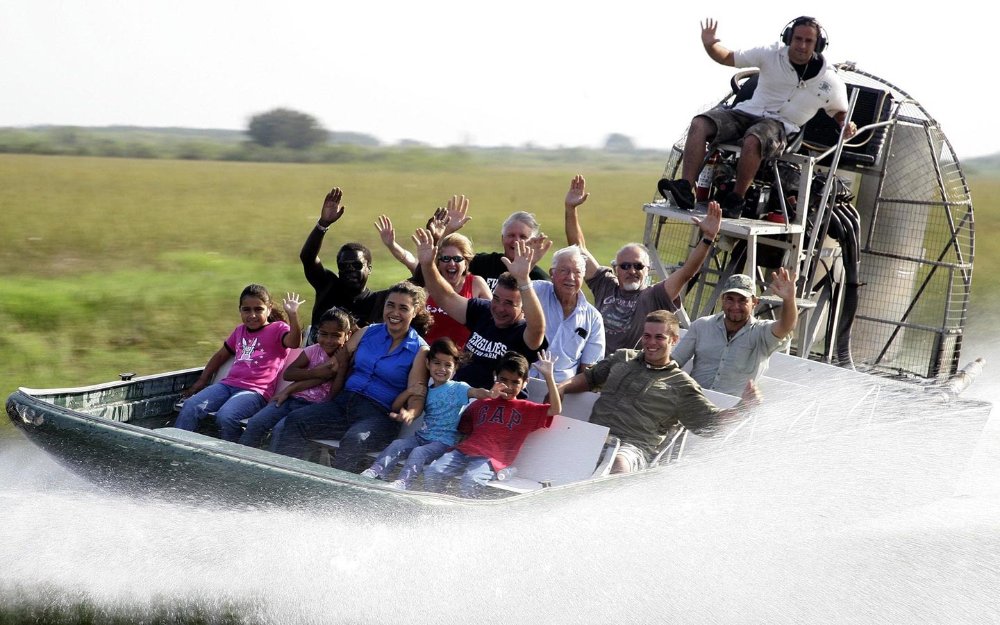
(446, 259)
(356, 265)
(629, 266)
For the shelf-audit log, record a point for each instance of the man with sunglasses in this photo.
(519, 226)
(347, 288)
(622, 292)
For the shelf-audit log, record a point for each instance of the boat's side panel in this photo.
(201, 470)
(124, 401)
(193, 467)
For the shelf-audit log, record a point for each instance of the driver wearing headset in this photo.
(795, 81)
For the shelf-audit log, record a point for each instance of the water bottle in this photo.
(506, 474)
(704, 184)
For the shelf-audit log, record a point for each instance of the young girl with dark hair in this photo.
(259, 346)
(312, 374)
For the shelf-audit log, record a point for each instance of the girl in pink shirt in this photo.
(259, 347)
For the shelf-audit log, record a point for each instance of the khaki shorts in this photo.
(635, 458)
(732, 125)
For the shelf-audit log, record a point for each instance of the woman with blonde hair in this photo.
(454, 255)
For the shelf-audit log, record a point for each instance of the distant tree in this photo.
(285, 127)
(353, 138)
(617, 142)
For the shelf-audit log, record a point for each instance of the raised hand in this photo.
(520, 266)
(708, 32)
(577, 193)
(783, 284)
(545, 363)
(540, 246)
(497, 390)
(332, 210)
(291, 303)
(385, 231)
(712, 222)
(458, 213)
(426, 249)
(438, 222)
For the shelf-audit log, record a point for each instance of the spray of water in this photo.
(818, 523)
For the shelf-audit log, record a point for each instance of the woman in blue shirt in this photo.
(384, 359)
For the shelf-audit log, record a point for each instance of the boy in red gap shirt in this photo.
(497, 427)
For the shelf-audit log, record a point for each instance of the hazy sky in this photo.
(451, 72)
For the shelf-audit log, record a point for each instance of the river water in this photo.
(850, 531)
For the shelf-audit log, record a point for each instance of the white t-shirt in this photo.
(781, 95)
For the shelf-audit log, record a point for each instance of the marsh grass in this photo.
(112, 265)
(986, 274)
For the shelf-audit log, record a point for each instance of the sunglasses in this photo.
(448, 259)
(356, 265)
(629, 266)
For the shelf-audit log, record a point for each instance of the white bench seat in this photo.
(567, 451)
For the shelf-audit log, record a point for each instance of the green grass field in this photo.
(114, 265)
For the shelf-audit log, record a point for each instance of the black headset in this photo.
(821, 40)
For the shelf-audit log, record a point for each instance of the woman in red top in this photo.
(454, 255)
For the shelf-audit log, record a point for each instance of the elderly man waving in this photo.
(573, 327)
(622, 293)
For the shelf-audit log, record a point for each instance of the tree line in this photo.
(278, 135)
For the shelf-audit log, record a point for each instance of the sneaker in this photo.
(397, 484)
(732, 206)
(679, 191)
(370, 473)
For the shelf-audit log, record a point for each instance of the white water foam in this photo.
(847, 528)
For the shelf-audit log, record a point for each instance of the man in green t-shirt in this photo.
(645, 396)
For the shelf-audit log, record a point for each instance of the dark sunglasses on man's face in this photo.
(448, 259)
(356, 265)
(629, 266)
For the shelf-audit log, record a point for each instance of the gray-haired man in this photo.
(573, 327)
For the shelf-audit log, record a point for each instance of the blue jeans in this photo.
(230, 404)
(361, 424)
(475, 470)
(268, 417)
(421, 452)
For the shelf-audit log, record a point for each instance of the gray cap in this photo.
(740, 283)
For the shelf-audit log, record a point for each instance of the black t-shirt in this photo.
(488, 343)
(366, 306)
(488, 266)
(809, 70)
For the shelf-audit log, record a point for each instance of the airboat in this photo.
(880, 231)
